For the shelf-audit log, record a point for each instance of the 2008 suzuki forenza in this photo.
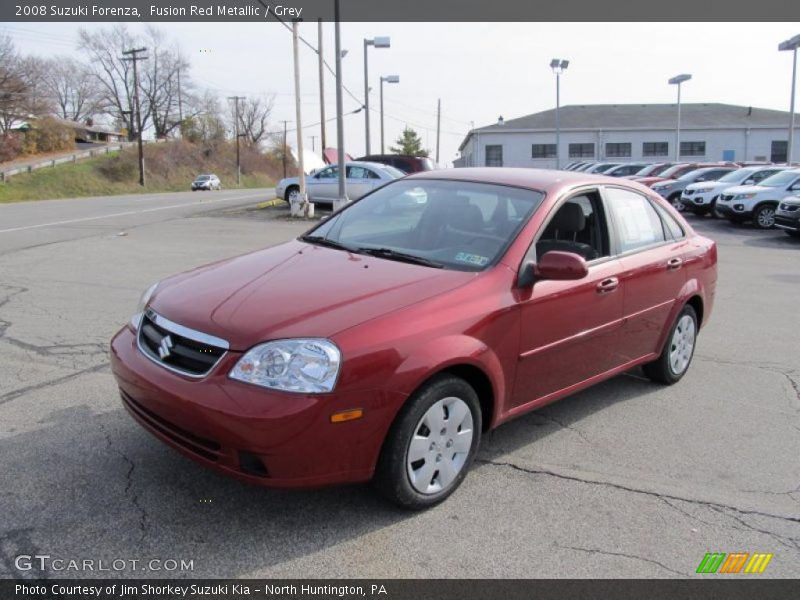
(383, 342)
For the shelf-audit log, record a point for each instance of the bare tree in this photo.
(13, 87)
(165, 82)
(254, 116)
(73, 89)
(114, 76)
(206, 123)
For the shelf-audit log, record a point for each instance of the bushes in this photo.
(10, 146)
(48, 135)
(123, 167)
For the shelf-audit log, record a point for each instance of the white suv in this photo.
(758, 202)
(701, 198)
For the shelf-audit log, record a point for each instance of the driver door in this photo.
(569, 329)
(324, 186)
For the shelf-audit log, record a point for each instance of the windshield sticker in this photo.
(472, 259)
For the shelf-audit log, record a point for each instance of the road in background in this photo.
(628, 479)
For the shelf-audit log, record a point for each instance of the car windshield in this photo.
(457, 225)
(692, 175)
(203, 178)
(780, 179)
(737, 175)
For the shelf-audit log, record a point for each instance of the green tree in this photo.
(409, 143)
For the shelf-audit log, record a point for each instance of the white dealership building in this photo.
(631, 132)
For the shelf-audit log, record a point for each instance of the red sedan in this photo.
(383, 342)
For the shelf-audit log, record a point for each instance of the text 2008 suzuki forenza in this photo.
(383, 342)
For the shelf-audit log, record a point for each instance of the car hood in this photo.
(665, 182)
(702, 185)
(649, 180)
(747, 189)
(295, 290)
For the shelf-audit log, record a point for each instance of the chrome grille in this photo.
(178, 348)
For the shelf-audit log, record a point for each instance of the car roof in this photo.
(533, 179)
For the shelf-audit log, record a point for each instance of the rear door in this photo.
(652, 271)
(358, 182)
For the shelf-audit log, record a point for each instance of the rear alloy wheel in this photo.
(431, 444)
(677, 354)
(677, 203)
(764, 217)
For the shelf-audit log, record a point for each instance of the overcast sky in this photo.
(479, 70)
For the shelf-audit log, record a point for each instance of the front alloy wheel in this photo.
(431, 444)
(677, 203)
(764, 217)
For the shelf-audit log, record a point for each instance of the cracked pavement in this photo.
(627, 479)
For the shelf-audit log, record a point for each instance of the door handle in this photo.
(674, 263)
(607, 285)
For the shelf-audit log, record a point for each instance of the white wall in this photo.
(754, 144)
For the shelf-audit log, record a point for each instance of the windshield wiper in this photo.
(329, 243)
(390, 254)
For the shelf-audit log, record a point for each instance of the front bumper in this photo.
(788, 221)
(732, 210)
(698, 199)
(270, 438)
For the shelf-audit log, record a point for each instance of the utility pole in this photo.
(313, 147)
(236, 132)
(342, 197)
(133, 56)
(321, 86)
(180, 104)
(301, 175)
(283, 151)
(438, 126)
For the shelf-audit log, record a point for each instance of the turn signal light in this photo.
(347, 415)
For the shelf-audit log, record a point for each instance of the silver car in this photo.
(323, 186)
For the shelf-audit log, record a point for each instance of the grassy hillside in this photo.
(169, 167)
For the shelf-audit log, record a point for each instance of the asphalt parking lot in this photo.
(628, 479)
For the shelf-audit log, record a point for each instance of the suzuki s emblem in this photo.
(165, 347)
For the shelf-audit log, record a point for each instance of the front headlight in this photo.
(136, 319)
(306, 365)
(744, 196)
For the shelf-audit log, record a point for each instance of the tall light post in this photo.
(341, 197)
(378, 42)
(387, 79)
(786, 46)
(558, 66)
(678, 80)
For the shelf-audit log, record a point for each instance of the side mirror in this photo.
(555, 265)
(749, 182)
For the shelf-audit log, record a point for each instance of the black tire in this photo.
(660, 370)
(701, 211)
(289, 191)
(764, 216)
(713, 211)
(391, 476)
(676, 199)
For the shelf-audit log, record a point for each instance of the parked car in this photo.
(787, 216)
(701, 198)
(652, 170)
(758, 202)
(672, 189)
(673, 172)
(598, 168)
(407, 164)
(585, 166)
(323, 186)
(625, 169)
(573, 165)
(206, 182)
(376, 345)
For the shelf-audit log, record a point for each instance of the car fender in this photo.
(442, 353)
(692, 287)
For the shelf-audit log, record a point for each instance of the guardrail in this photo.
(69, 158)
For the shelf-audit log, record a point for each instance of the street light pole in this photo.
(678, 80)
(378, 42)
(301, 175)
(387, 79)
(558, 66)
(342, 196)
(791, 44)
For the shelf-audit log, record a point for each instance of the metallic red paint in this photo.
(397, 325)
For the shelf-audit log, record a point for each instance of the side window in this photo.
(579, 226)
(356, 173)
(369, 174)
(637, 222)
(329, 173)
(673, 227)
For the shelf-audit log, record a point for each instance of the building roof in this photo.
(645, 117)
